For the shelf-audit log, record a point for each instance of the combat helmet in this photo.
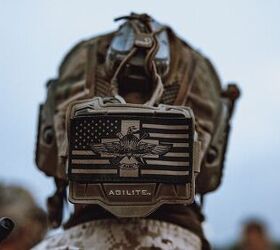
(142, 62)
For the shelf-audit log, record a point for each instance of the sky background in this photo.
(240, 37)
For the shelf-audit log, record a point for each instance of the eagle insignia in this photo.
(130, 150)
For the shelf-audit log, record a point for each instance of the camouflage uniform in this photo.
(170, 227)
(134, 234)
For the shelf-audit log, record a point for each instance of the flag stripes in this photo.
(169, 142)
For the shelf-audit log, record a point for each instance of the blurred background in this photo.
(240, 37)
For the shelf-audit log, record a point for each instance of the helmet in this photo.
(143, 63)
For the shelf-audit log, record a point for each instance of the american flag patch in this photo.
(131, 148)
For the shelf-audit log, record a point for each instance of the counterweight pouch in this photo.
(129, 158)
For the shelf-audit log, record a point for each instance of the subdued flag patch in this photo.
(142, 149)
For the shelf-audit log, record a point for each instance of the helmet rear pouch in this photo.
(130, 159)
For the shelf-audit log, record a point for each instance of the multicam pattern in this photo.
(123, 234)
(170, 93)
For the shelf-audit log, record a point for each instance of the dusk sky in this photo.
(242, 40)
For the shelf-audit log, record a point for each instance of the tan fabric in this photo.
(133, 234)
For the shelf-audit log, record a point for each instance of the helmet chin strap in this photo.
(158, 91)
(120, 99)
(114, 80)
